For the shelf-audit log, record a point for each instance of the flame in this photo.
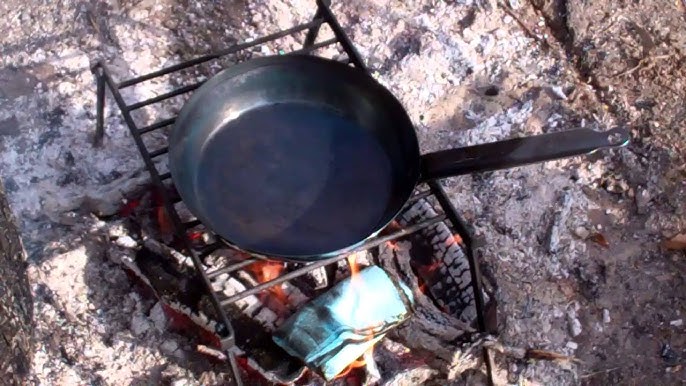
(359, 362)
(354, 276)
(392, 245)
(352, 263)
(455, 239)
(264, 271)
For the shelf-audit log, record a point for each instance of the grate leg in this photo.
(234, 368)
(313, 32)
(99, 106)
(474, 269)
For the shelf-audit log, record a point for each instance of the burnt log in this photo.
(16, 312)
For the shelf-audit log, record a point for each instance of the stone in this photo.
(606, 316)
(581, 232)
(158, 317)
(126, 242)
(169, 347)
(572, 345)
(140, 325)
(575, 327)
(677, 323)
(642, 201)
(574, 323)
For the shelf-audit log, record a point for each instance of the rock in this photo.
(669, 355)
(116, 230)
(169, 347)
(158, 317)
(582, 233)
(572, 345)
(140, 325)
(558, 92)
(126, 242)
(574, 323)
(555, 232)
(514, 4)
(575, 327)
(606, 316)
(642, 200)
(677, 323)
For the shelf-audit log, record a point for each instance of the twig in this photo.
(211, 352)
(641, 63)
(593, 374)
(544, 43)
(529, 353)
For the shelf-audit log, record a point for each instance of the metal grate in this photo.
(323, 16)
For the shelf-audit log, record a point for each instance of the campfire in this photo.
(366, 318)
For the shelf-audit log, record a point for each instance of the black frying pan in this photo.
(298, 157)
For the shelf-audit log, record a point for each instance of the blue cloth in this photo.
(336, 328)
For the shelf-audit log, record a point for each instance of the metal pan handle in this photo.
(519, 151)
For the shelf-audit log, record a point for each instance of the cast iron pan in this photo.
(300, 158)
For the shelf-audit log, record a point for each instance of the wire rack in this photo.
(323, 16)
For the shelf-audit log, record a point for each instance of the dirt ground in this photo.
(630, 56)
(468, 71)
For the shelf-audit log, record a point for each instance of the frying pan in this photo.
(299, 157)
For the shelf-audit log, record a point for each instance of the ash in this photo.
(467, 72)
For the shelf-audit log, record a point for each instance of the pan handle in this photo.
(518, 152)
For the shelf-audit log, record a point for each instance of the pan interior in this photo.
(294, 179)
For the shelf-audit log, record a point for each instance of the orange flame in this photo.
(352, 263)
(265, 271)
(456, 239)
(359, 362)
(392, 245)
(431, 267)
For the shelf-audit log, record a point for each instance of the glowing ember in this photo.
(264, 271)
(429, 269)
(128, 208)
(166, 227)
(456, 239)
(422, 288)
(392, 245)
(194, 235)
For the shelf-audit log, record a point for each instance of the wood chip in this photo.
(600, 239)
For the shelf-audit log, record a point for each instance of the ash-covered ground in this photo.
(573, 245)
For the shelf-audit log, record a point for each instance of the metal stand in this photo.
(162, 181)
